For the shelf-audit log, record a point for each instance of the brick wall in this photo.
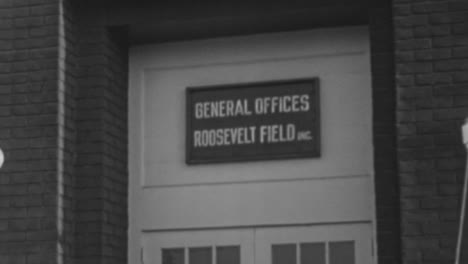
(63, 118)
(385, 165)
(67, 91)
(63, 127)
(29, 131)
(432, 85)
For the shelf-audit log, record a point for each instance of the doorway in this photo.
(252, 212)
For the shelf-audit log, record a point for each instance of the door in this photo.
(247, 208)
(329, 244)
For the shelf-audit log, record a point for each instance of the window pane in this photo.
(173, 256)
(228, 255)
(283, 254)
(313, 253)
(342, 252)
(201, 255)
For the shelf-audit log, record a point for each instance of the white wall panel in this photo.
(256, 204)
(345, 115)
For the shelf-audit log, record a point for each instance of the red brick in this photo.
(433, 78)
(460, 28)
(402, 10)
(41, 10)
(404, 34)
(430, 7)
(450, 41)
(413, 44)
(412, 21)
(451, 65)
(418, 67)
(458, 5)
(447, 18)
(450, 90)
(421, 243)
(450, 114)
(434, 54)
(461, 52)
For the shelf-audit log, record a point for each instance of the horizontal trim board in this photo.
(255, 226)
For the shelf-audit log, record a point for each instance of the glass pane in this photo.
(313, 253)
(283, 254)
(342, 252)
(200, 255)
(228, 255)
(173, 256)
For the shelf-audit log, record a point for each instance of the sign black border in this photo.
(188, 113)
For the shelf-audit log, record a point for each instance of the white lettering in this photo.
(224, 136)
(230, 108)
(222, 108)
(295, 104)
(198, 110)
(239, 108)
(305, 102)
(206, 107)
(282, 104)
(259, 106)
(196, 139)
(214, 110)
(277, 133)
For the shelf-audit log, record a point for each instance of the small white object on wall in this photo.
(465, 132)
(462, 243)
(2, 158)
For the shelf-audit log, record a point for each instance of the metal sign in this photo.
(258, 121)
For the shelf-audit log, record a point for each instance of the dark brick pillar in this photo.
(31, 132)
(101, 168)
(383, 97)
(432, 84)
